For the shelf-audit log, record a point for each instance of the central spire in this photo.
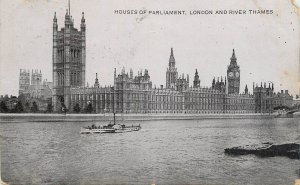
(172, 59)
(233, 58)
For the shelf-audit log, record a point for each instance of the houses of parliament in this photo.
(135, 93)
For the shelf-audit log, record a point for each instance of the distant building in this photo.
(36, 78)
(36, 90)
(24, 80)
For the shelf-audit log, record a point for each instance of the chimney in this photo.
(161, 86)
(286, 91)
(281, 91)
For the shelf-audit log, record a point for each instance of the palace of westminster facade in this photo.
(135, 94)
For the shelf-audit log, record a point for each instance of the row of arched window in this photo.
(74, 78)
(74, 53)
(60, 78)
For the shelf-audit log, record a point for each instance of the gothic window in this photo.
(71, 78)
(60, 55)
(63, 78)
(74, 78)
(58, 79)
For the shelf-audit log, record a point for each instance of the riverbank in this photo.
(128, 117)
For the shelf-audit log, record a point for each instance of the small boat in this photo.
(110, 128)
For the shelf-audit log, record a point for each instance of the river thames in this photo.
(163, 152)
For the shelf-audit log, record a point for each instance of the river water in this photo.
(163, 152)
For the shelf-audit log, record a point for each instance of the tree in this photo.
(89, 108)
(22, 98)
(49, 107)
(27, 107)
(3, 107)
(76, 108)
(19, 107)
(5, 98)
(34, 108)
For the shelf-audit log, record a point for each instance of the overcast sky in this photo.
(267, 46)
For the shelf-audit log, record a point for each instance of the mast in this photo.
(114, 118)
(69, 8)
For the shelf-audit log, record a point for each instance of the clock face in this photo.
(237, 74)
(231, 74)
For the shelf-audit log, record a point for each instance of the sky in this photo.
(267, 46)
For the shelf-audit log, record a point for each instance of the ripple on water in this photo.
(164, 152)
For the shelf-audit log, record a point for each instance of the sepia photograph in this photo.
(133, 92)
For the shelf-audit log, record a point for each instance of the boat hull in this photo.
(97, 131)
(109, 130)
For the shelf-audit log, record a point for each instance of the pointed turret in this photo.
(233, 58)
(54, 24)
(146, 73)
(123, 70)
(54, 18)
(214, 82)
(82, 25)
(172, 59)
(188, 78)
(246, 90)
(131, 73)
(96, 81)
(196, 80)
(171, 74)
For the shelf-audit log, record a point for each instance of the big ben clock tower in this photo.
(233, 76)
